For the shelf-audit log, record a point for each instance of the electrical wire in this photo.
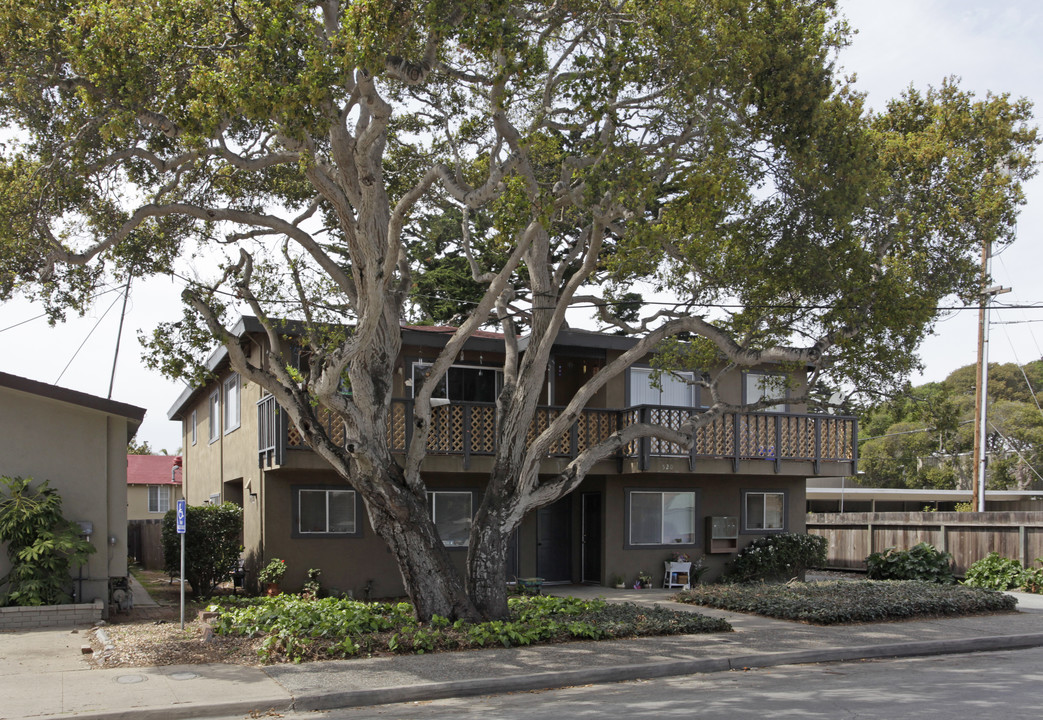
(96, 324)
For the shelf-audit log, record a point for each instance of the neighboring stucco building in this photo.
(78, 442)
(153, 485)
(745, 476)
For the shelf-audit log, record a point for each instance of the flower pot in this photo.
(274, 589)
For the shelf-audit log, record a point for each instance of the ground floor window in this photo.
(764, 510)
(158, 498)
(324, 511)
(451, 512)
(661, 517)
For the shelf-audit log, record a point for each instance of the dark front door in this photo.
(553, 549)
(591, 540)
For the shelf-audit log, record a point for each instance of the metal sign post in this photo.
(182, 512)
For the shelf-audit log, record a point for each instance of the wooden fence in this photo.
(145, 543)
(968, 536)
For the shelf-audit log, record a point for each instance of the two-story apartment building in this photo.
(744, 477)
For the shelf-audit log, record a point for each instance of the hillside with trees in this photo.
(923, 437)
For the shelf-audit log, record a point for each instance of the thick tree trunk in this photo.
(487, 559)
(431, 580)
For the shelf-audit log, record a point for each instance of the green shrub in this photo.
(995, 573)
(211, 544)
(829, 603)
(41, 544)
(297, 628)
(778, 557)
(920, 562)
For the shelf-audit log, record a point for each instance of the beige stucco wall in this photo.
(137, 502)
(83, 454)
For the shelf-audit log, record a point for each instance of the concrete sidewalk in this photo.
(43, 674)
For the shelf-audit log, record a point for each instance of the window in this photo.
(661, 517)
(764, 511)
(451, 514)
(158, 498)
(757, 385)
(462, 383)
(232, 404)
(215, 414)
(194, 422)
(675, 389)
(323, 511)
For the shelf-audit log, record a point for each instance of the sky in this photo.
(990, 46)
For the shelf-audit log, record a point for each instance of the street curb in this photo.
(554, 680)
(647, 671)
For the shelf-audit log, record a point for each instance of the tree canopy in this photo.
(923, 436)
(353, 165)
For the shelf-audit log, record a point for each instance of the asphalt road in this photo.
(980, 685)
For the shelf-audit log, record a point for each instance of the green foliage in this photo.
(272, 572)
(830, 603)
(921, 562)
(299, 628)
(1000, 573)
(777, 557)
(916, 437)
(42, 546)
(211, 544)
(995, 573)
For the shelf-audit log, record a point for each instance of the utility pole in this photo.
(981, 397)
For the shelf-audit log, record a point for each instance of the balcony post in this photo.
(281, 431)
(818, 445)
(645, 444)
(778, 443)
(467, 436)
(736, 425)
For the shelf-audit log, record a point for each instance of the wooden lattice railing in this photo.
(469, 429)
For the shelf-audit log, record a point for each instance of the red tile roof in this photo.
(153, 469)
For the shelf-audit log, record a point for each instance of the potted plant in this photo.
(644, 580)
(619, 581)
(271, 574)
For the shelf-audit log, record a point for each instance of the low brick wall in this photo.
(27, 618)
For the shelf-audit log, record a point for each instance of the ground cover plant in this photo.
(297, 628)
(838, 602)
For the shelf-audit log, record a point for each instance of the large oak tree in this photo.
(542, 155)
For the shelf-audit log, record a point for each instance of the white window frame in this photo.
(752, 394)
(214, 408)
(327, 492)
(432, 508)
(643, 376)
(194, 422)
(664, 539)
(160, 503)
(747, 526)
(233, 403)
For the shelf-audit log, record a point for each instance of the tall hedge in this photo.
(212, 546)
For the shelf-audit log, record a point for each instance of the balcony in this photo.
(468, 430)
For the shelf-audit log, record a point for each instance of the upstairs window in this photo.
(158, 498)
(215, 415)
(758, 385)
(674, 389)
(194, 421)
(232, 403)
(462, 383)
